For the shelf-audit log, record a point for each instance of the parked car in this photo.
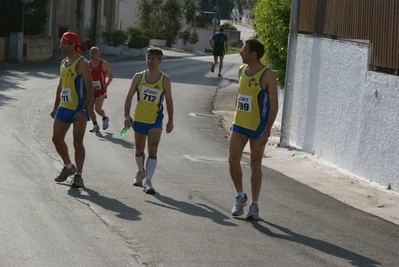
(209, 17)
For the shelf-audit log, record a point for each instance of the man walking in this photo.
(219, 44)
(100, 69)
(152, 86)
(74, 93)
(256, 110)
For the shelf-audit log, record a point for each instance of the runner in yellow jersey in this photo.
(152, 87)
(74, 93)
(256, 111)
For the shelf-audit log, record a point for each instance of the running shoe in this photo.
(65, 173)
(77, 181)
(95, 129)
(238, 208)
(220, 75)
(138, 181)
(105, 123)
(148, 188)
(253, 213)
(212, 67)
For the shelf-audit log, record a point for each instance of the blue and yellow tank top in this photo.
(253, 103)
(73, 89)
(149, 107)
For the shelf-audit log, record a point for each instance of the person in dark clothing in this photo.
(219, 44)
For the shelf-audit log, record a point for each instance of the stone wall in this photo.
(37, 48)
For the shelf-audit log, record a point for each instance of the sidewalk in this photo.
(315, 172)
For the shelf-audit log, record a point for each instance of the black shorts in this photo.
(218, 52)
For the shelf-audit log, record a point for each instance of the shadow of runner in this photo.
(199, 209)
(123, 211)
(323, 246)
(119, 141)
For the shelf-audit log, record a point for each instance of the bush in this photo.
(115, 38)
(228, 26)
(193, 38)
(184, 36)
(138, 38)
(272, 20)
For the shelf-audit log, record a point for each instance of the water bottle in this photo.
(124, 131)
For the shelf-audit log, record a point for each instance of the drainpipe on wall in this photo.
(290, 74)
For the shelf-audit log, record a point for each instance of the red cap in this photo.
(72, 38)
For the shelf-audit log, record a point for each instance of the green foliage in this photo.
(272, 20)
(138, 37)
(193, 38)
(228, 26)
(222, 7)
(11, 17)
(165, 16)
(184, 36)
(115, 38)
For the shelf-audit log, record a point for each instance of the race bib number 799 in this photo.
(244, 103)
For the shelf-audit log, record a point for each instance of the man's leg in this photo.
(59, 131)
(93, 116)
(101, 112)
(79, 128)
(99, 106)
(256, 157)
(236, 147)
(215, 61)
(221, 65)
(139, 144)
(154, 137)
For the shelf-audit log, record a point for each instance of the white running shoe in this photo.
(95, 129)
(138, 181)
(105, 123)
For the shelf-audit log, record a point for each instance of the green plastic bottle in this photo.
(124, 131)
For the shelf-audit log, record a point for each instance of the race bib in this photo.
(97, 85)
(66, 95)
(244, 103)
(150, 95)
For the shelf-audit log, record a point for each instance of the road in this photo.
(188, 221)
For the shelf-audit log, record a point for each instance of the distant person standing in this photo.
(219, 44)
(73, 96)
(256, 110)
(232, 17)
(152, 87)
(100, 69)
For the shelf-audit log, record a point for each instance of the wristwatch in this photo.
(84, 110)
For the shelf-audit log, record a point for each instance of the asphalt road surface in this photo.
(188, 221)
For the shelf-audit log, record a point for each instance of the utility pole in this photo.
(290, 74)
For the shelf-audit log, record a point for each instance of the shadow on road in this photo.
(323, 246)
(197, 209)
(123, 211)
(119, 141)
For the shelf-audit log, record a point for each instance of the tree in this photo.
(223, 7)
(272, 20)
(11, 17)
(165, 16)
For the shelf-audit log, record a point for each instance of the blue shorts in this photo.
(67, 115)
(252, 134)
(143, 128)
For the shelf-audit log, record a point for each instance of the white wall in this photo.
(127, 14)
(344, 113)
